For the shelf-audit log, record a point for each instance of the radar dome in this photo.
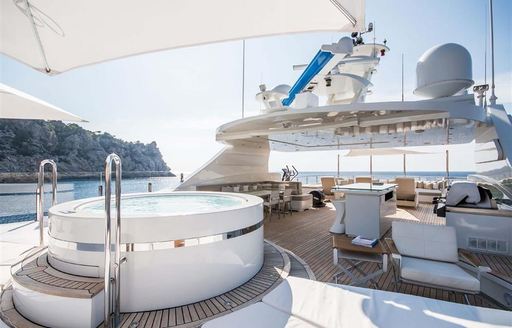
(443, 70)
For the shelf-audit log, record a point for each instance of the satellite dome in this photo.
(443, 70)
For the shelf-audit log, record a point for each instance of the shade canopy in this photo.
(382, 152)
(63, 34)
(15, 104)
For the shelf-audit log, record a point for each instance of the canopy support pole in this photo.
(338, 167)
(344, 11)
(405, 160)
(38, 38)
(243, 78)
(447, 165)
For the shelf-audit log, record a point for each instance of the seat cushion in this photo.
(438, 274)
(256, 316)
(408, 197)
(300, 302)
(438, 243)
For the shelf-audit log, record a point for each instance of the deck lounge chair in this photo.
(271, 202)
(427, 255)
(363, 180)
(327, 185)
(299, 302)
(406, 194)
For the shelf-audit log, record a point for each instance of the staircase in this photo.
(50, 297)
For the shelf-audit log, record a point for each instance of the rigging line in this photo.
(243, 78)
(38, 38)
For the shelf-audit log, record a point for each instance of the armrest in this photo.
(391, 247)
(469, 258)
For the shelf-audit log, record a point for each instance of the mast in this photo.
(493, 97)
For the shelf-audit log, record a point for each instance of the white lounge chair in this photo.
(298, 302)
(427, 255)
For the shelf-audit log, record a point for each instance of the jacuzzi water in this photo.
(167, 205)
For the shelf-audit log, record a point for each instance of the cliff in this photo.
(78, 152)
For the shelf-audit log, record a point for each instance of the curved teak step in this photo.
(39, 276)
(53, 298)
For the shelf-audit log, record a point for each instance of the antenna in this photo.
(243, 78)
(493, 97)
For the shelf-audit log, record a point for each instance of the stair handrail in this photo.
(40, 194)
(112, 270)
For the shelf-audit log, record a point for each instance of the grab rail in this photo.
(40, 194)
(112, 270)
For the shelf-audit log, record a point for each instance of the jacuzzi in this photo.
(181, 247)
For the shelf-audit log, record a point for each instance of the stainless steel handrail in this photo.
(40, 194)
(112, 270)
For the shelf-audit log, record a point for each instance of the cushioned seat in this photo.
(327, 185)
(406, 194)
(298, 302)
(256, 316)
(438, 273)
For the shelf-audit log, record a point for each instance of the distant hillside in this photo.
(76, 150)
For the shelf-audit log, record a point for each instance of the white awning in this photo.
(74, 33)
(382, 152)
(15, 104)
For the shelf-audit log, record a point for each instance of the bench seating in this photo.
(298, 302)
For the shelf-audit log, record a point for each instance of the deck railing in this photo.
(112, 268)
(40, 194)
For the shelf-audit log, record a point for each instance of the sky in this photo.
(179, 97)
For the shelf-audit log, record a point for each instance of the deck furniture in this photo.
(338, 226)
(427, 255)
(286, 200)
(344, 252)
(363, 180)
(366, 206)
(428, 195)
(299, 302)
(271, 202)
(406, 194)
(301, 202)
(327, 184)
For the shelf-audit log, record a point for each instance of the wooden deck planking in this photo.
(38, 275)
(306, 234)
(193, 315)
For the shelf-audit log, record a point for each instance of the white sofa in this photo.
(298, 302)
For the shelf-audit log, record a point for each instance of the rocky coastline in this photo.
(79, 153)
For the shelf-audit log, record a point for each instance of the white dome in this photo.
(282, 89)
(443, 70)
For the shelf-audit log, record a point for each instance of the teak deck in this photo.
(277, 266)
(307, 235)
(305, 251)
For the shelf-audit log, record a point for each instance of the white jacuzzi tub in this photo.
(181, 247)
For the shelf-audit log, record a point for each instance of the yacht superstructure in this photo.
(208, 253)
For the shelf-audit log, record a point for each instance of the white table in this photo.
(365, 207)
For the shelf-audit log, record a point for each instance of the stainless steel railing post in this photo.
(112, 270)
(40, 194)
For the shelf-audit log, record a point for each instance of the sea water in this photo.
(22, 207)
